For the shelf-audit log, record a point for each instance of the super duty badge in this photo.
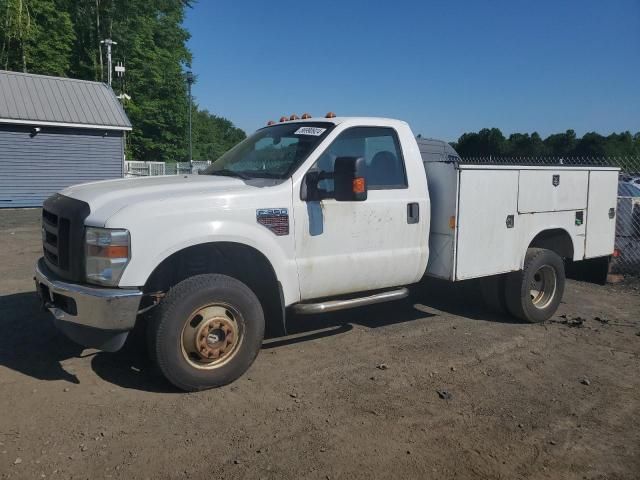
(275, 219)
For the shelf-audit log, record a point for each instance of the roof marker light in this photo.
(294, 117)
(283, 119)
(330, 115)
(306, 116)
(270, 122)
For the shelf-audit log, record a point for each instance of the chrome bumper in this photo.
(92, 309)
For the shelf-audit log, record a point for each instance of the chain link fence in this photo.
(626, 258)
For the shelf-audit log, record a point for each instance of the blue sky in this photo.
(446, 67)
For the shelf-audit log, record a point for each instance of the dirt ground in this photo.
(348, 395)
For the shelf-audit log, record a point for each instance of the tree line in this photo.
(62, 38)
(492, 142)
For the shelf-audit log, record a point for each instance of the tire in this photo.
(534, 293)
(207, 332)
(493, 293)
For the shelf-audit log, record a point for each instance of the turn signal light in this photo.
(330, 115)
(306, 116)
(616, 253)
(452, 222)
(358, 185)
(109, 251)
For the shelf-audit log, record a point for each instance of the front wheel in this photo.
(206, 332)
(534, 293)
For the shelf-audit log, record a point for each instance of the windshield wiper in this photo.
(229, 173)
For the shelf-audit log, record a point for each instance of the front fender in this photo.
(152, 242)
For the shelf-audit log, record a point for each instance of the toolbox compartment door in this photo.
(487, 226)
(552, 190)
(601, 219)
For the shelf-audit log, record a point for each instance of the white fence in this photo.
(152, 169)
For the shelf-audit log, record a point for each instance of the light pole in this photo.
(108, 42)
(190, 80)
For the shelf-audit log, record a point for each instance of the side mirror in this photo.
(310, 191)
(350, 184)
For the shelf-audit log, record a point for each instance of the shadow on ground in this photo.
(30, 344)
(462, 298)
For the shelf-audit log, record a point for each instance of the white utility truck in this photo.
(309, 216)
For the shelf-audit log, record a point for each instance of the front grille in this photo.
(55, 239)
(50, 218)
(63, 235)
(51, 257)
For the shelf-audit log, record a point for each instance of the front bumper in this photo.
(95, 317)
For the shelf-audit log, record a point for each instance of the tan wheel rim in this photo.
(543, 287)
(211, 336)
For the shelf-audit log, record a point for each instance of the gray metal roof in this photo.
(56, 101)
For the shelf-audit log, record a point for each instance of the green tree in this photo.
(487, 142)
(154, 45)
(622, 144)
(561, 144)
(62, 37)
(151, 41)
(525, 145)
(618, 147)
(38, 36)
(591, 144)
(212, 135)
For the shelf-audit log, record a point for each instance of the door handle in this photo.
(413, 213)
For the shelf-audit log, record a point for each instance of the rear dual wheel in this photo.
(206, 332)
(532, 294)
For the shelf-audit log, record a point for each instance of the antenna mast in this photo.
(108, 42)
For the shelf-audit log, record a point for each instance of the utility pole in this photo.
(108, 42)
(190, 81)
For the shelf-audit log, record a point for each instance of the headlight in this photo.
(107, 253)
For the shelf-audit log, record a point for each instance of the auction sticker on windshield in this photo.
(315, 131)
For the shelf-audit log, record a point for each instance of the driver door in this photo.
(344, 247)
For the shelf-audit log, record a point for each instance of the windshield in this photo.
(271, 152)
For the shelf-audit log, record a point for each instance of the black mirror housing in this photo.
(350, 184)
(310, 191)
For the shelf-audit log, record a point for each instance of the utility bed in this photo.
(484, 216)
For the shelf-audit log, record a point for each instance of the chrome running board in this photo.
(333, 305)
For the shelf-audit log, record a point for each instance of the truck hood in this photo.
(105, 198)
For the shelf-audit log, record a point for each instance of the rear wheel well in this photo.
(236, 260)
(557, 240)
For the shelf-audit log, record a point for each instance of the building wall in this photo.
(34, 166)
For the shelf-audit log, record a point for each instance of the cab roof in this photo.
(352, 120)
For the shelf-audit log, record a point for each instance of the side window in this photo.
(384, 165)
